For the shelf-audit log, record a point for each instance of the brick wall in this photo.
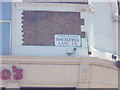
(39, 27)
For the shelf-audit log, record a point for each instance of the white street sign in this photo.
(67, 40)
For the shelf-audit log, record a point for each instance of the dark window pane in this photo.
(119, 7)
(59, 1)
(46, 88)
(2, 88)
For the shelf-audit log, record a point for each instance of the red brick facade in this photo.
(39, 27)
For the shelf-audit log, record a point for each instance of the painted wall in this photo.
(19, 49)
(61, 72)
(99, 27)
(102, 29)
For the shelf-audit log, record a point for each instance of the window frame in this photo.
(10, 39)
(7, 19)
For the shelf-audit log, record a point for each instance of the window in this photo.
(5, 22)
(5, 38)
(59, 1)
(47, 88)
(119, 7)
(2, 88)
(6, 10)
